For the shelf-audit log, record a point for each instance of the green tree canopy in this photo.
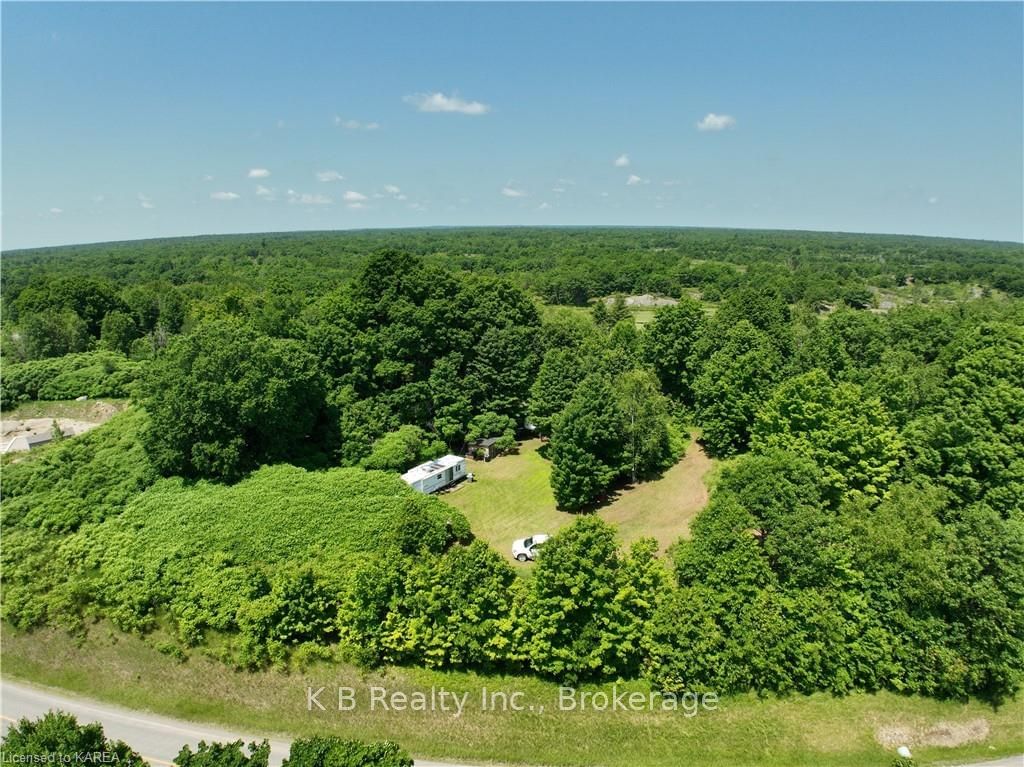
(668, 346)
(223, 399)
(587, 451)
(732, 385)
(847, 435)
(559, 375)
(59, 736)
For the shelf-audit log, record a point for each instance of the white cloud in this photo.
(932, 200)
(351, 196)
(671, 182)
(439, 102)
(713, 122)
(56, 211)
(258, 173)
(510, 191)
(558, 189)
(417, 206)
(146, 202)
(357, 206)
(308, 199)
(622, 161)
(264, 192)
(329, 175)
(634, 179)
(543, 206)
(604, 194)
(349, 124)
(207, 177)
(98, 199)
(392, 189)
(224, 196)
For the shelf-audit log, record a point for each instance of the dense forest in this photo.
(865, 394)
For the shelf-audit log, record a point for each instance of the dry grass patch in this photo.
(511, 498)
(799, 731)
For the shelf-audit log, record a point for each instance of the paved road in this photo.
(157, 738)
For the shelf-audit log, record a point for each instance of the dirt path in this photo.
(663, 508)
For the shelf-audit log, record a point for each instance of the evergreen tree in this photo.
(559, 375)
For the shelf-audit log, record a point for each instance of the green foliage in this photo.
(88, 297)
(587, 451)
(402, 449)
(490, 425)
(668, 346)
(578, 624)
(422, 345)
(644, 423)
(58, 737)
(223, 399)
(847, 435)
(447, 611)
(733, 383)
(118, 331)
(974, 441)
(92, 374)
(48, 333)
(260, 561)
(830, 558)
(85, 479)
(224, 755)
(559, 375)
(334, 752)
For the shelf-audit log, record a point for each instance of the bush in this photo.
(224, 755)
(334, 752)
(402, 449)
(57, 737)
(93, 374)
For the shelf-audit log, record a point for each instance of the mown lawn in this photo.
(511, 498)
(798, 731)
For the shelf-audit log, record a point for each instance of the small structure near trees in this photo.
(436, 475)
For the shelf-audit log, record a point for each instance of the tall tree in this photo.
(586, 445)
(575, 622)
(668, 346)
(644, 422)
(224, 399)
(849, 436)
(559, 375)
(731, 387)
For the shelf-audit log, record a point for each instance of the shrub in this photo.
(334, 752)
(93, 374)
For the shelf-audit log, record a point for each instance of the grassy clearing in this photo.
(641, 316)
(512, 498)
(92, 410)
(814, 730)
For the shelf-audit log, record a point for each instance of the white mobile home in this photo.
(434, 475)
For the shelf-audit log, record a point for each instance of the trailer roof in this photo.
(430, 468)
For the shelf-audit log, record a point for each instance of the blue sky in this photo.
(125, 121)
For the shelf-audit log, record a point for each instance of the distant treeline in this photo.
(564, 266)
